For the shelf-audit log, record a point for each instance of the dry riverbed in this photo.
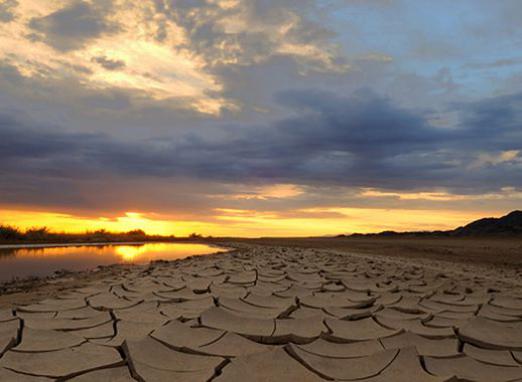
(268, 313)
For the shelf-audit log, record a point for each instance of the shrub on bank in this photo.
(14, 235)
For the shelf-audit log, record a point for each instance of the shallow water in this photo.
(23, 262)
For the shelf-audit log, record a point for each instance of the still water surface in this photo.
(23, 262)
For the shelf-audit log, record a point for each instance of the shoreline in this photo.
(76, 244)
(69, 278)
(34, 289)
(99, 244)
(95, 242)
(30, 289)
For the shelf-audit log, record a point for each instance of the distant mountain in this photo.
(511, 224)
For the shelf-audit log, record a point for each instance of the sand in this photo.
(269, 313)
(498, 251)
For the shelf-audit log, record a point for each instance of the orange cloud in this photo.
(253, 223)
(276, 191)
(442, 196)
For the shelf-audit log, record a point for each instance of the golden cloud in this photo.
(134, 46)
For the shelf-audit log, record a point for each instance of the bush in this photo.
(10, 233)
(137, 233)
(37, 233)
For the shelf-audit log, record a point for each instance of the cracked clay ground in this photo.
(272, 314)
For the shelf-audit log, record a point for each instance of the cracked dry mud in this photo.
(272, 314)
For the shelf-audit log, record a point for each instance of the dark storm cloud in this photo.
(367, 141)
(359, 141)
(365, 125)
(497, 117)
(70, 27)
(42, 149)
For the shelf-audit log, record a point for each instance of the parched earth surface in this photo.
(272, 314)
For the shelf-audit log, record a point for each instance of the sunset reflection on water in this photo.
(41, 261)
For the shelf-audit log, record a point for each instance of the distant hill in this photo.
(509, 225)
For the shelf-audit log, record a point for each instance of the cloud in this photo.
(494, 159)
(168, 54)
(253, 192)
(359, 141)
(500, 63)
(191, 105)
(497, 117)
(243, 32)
(7, 8)
(108, 63)
(69, 28)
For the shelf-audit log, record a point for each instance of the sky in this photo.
(259, 117)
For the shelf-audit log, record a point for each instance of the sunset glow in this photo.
(249, 223)
(258, 118)
(222, 169)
